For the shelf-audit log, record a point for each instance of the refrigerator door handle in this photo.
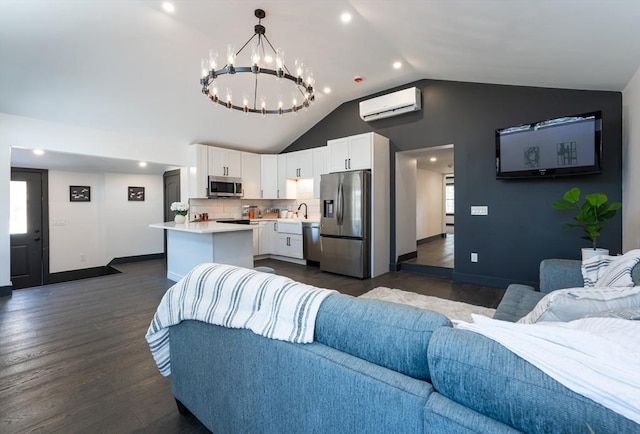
(340, 204)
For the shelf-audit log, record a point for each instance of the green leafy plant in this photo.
(592, 214)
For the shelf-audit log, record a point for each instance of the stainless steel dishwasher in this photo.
(311, 241)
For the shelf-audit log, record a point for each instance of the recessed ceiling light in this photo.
(38, 151)
(397, 65)
(345, 17)
(327, 90)
(268, 59)
(433, 159)
(168, 7)
(142, 164)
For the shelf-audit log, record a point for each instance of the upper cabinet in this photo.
(286, 187)
(225, 162)
(198, 171)
(299, 164)
(269, 176)
(251, 176)
(350, 153)
(319, 168)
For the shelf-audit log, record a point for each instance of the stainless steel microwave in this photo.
(223, 186)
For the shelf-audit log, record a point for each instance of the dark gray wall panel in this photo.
(522, 228)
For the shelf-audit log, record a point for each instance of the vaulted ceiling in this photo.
(130, 67)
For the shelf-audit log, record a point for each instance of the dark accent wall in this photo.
(522, 228)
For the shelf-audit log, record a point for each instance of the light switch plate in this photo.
(479, 210)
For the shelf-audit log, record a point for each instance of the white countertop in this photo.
(285, 220)
(208, 227)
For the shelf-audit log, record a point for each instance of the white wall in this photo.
(631, 164)
(28, 133)
(79, 228)
(109, 226)
(429, 204)
(5, 179)
(126, 223)
(405, 204)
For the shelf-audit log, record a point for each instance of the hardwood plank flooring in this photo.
(438, 252)
(73, 358)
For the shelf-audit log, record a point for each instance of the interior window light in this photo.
(449, 196)
(18, 207)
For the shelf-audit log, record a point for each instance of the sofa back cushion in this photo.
(388, 334)
(481, 374)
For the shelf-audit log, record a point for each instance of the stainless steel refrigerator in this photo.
(345, 227)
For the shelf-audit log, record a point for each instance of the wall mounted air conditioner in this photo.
(392, 104)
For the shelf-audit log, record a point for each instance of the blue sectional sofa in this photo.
(375, 367)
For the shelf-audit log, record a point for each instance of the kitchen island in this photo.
(193, 243)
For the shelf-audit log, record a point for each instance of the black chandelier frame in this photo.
(306, 89)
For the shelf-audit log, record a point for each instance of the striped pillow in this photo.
(610, 271)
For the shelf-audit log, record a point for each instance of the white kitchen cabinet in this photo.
(264, 237)
(289, 239)
(300, 164)
(350, 153)
(319, 168)
(256, 239)
(289, 245)
(251, 176)
(225, 162)
(286, 187)
(198, 171)
(272, 235)
(269, 176)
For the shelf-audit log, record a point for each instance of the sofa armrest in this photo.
(560, 274)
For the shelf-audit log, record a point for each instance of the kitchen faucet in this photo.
(305, 209)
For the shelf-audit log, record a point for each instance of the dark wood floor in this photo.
(73, 358)
(438, 252)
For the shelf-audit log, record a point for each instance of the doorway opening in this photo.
(425, 198)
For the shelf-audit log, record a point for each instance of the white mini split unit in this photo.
(392, 104)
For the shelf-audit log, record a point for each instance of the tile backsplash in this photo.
(232, 208)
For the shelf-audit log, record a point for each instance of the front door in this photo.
(29, 262)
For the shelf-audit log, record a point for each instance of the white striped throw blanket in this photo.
(270, 305)
(612, 271)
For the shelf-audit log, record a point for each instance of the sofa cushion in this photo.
(481, 374)
(392, 335)
(517, 301)
(573, 303)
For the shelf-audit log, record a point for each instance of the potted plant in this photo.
(181, 210)
(591, 216)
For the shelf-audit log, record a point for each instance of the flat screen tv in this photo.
(565, 146)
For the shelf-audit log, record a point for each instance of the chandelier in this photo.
(255, 97)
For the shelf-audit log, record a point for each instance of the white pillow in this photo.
(573, 303)
(604, 270)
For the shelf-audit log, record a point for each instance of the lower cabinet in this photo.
(256, 240)
(289, 245)
(269, 239)
(264, 238)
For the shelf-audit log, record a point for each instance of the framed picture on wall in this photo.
(136, 193)
(79, 193)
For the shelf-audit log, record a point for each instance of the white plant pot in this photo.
(589, 252)
(179, 219)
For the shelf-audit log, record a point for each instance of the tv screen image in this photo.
(569, 145)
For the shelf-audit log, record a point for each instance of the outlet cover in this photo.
(474, 257)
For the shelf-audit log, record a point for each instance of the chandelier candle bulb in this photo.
(213, 60)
